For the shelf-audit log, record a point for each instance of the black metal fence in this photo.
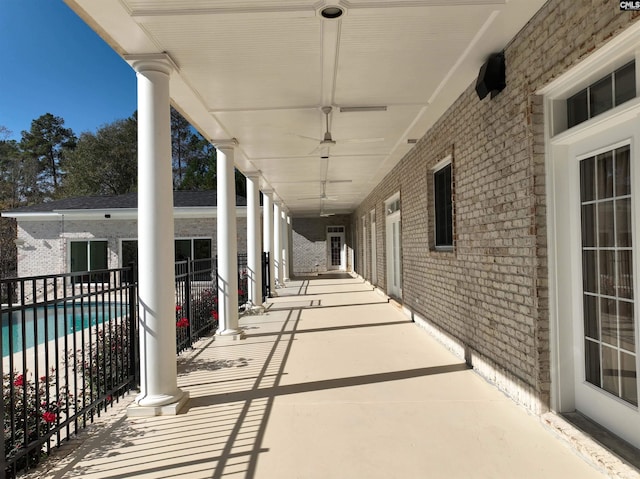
(266, 276)
(197, 297)
(70, 347)
(68, 352)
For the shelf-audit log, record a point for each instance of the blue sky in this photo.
(52, 62)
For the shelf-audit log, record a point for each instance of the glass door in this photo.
(610, 350)
(336, 250)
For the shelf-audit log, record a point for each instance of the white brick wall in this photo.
(45, 248)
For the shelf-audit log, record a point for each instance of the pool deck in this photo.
(331, 382)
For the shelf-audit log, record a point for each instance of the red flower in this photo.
(19, 381)
(178, 308)
(49, 417)
(240, 292)
(215, 315)
(43, 379)
(182, 323)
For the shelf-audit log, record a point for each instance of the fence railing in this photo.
(197, 297)
(68, 352)
(70, 347)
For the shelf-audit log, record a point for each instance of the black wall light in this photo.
(491, 78)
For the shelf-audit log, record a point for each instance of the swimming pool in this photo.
(69, 318)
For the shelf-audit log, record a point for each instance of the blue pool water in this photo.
(74, 319)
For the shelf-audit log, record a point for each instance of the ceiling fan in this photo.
(323, 196)
(327, 139)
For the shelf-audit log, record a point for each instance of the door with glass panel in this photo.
(607, 332)
(336, 251)
(374, 249)
(394, 247)
(365, 253)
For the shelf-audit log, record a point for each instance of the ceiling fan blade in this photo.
(362, 140)
(306, 137)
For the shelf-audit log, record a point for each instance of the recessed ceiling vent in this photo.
(331, 12)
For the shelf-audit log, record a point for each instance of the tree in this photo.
(45, 146)
(200, 172)
(104, 163)
(183, 145)
(9, 170)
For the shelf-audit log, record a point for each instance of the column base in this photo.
(170, 409)
(229, 335)
(252, 309)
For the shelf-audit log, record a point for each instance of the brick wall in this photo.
(46, 242)
(489, 296)
(309, 242)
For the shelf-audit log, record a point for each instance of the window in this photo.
(393, 206)
(129, 252)
(198, 249)
(194, 248)
(607, 273)
(443, 207)
(602, 95)
(89, 255)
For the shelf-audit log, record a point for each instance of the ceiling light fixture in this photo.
(331, 12)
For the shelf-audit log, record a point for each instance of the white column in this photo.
(283, 245)
(227, 247)
(254, 248)
(156, 283)
(287, 248)
(267, 222)
(277, 242)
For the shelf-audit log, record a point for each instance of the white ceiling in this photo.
(260, 71)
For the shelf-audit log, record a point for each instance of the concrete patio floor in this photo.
(331, 382)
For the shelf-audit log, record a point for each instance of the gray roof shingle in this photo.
(181, 199)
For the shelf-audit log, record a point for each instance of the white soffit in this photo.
(260, 71)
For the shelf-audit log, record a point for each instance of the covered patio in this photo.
(332, 381)
(420, 145)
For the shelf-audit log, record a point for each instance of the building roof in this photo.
(181, 199)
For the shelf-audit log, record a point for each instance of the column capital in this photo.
(268, 192)
(160, 62)
(225, 144)
(253, 175)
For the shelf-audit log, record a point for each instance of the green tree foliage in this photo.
(184, 145)
(10, 163)
(200, 172)
(104, 163)
(9, 171)
(45, 147)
